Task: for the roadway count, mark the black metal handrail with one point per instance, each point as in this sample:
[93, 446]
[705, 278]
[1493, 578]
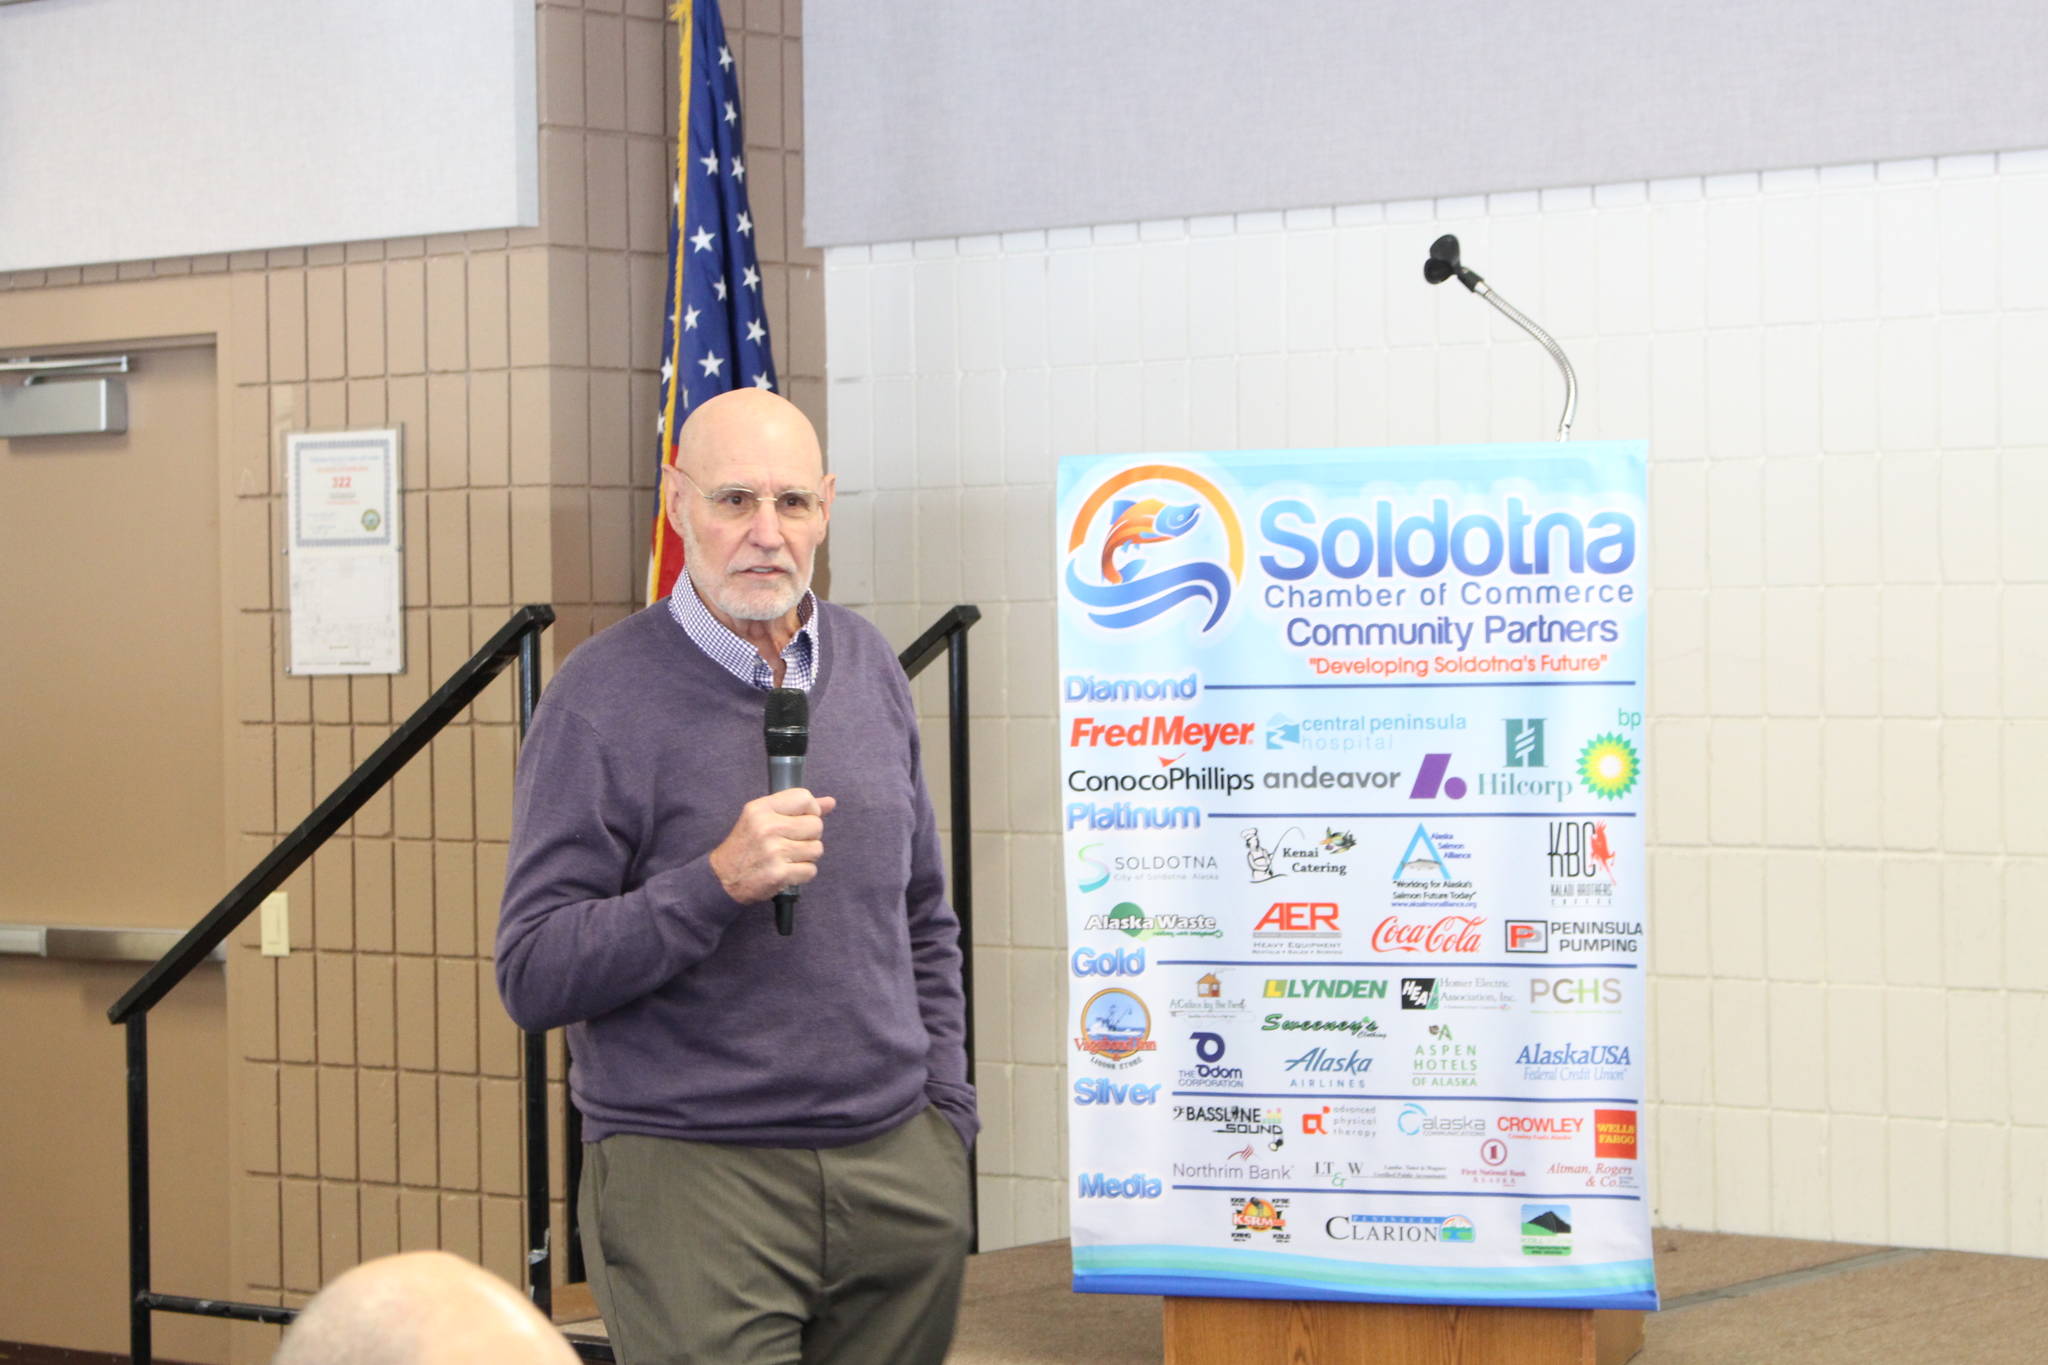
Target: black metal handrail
[518, 638]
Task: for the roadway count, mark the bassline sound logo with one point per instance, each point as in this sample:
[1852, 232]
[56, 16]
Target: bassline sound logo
[1149, 539]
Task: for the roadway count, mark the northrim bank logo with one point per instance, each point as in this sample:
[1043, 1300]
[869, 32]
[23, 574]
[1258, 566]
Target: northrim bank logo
[1113, 567]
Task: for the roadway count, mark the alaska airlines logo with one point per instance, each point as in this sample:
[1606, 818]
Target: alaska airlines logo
[1125, 589]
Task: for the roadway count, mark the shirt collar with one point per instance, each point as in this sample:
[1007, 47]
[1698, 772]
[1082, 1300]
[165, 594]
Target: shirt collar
[736, 656]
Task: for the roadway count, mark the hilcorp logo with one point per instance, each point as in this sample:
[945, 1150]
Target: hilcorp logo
[1110, 547]
[1478, 543]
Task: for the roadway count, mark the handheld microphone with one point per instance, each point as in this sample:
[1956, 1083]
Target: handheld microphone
[786, 732]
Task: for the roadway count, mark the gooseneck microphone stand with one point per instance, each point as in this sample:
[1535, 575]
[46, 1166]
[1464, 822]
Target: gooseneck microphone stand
[1443, 263]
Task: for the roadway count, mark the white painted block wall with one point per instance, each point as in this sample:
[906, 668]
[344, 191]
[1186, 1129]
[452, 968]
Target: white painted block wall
[1843, 375]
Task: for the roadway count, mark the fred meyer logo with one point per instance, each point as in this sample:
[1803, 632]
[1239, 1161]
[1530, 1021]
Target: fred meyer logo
[1159, 732]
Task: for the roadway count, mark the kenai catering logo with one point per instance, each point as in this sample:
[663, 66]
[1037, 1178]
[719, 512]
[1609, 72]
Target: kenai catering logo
[1113, 567]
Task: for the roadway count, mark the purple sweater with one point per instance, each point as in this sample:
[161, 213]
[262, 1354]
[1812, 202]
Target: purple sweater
[688, 1015]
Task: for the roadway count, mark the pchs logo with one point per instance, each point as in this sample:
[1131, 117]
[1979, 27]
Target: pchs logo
[1112, 568]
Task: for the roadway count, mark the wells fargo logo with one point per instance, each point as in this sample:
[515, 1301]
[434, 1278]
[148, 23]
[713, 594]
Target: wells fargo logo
[1112, 567]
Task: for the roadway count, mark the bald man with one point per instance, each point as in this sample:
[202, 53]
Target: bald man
[777, 1127]
[421, 1308]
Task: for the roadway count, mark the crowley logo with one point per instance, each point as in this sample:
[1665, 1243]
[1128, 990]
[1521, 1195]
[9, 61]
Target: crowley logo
[1552, 1126]
[1450, 934]
[1109, 556]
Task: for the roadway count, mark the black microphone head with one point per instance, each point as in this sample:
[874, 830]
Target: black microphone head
[1435, 271]
[787, 725]
[1445, 249]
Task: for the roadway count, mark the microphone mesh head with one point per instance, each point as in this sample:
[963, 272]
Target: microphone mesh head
[788, 721]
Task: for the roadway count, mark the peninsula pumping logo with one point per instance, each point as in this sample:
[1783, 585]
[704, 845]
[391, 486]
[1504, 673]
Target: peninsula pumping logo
[1150, 539]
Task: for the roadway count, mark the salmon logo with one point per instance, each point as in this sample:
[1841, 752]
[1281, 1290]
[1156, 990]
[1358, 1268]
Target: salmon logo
[1127, 587]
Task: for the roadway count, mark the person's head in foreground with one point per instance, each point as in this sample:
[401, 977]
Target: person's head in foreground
[421, 1308]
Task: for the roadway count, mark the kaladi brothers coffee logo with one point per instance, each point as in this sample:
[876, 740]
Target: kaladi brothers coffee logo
[1149, 539]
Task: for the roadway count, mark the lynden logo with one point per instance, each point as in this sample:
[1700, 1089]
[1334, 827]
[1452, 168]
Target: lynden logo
[1129, 691]
[1524, 744]
[1614, 1133]
[1110, 547]
[1095, 1185]
[1579, 851]
[1323, 988]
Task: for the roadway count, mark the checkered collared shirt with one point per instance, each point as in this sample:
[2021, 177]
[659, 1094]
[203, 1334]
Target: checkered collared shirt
[800, 656]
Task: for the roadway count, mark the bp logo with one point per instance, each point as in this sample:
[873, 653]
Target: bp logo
[1608, 766]
[1149, 539]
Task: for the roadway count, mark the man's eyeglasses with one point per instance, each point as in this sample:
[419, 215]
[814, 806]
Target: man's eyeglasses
[735, 502]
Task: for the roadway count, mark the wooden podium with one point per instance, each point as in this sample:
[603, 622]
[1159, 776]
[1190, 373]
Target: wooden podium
[1306, 1332]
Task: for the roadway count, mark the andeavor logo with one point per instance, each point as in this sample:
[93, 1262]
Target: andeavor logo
[1112, 568]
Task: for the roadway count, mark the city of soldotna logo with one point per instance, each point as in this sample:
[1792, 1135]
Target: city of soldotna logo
[1149, 539]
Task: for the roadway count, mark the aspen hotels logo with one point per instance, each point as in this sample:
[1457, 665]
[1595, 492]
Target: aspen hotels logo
[1141, 546]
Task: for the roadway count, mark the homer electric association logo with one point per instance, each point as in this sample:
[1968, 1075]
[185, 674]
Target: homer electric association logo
[1149, 539]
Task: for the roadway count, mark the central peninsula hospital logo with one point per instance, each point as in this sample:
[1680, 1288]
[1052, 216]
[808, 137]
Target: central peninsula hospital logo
[1140, 546]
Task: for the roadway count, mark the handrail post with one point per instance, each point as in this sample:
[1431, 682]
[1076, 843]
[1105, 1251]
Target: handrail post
[139, 1348]
[963, 877]
[540, 1286]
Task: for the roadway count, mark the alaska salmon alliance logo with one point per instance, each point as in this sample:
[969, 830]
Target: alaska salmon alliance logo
[1120, 586]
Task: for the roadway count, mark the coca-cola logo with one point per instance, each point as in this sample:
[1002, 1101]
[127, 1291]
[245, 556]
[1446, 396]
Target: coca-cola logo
[1448, 934]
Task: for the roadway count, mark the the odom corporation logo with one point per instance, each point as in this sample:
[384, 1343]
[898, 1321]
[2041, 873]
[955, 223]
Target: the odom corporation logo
[1111, 568]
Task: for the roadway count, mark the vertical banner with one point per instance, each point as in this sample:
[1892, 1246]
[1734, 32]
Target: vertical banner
[1351, 747]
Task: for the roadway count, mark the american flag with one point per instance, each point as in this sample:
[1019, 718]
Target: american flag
[714, 331]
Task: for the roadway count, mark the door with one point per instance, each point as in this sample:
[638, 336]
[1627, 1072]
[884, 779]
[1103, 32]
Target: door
[112, 813]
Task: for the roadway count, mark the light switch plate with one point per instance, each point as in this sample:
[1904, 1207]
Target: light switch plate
[275, 917]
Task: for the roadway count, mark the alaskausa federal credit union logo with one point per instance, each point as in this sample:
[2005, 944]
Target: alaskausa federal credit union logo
[1141, 545]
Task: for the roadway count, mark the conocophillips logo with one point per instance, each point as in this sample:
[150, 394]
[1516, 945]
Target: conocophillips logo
[1118, 586]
